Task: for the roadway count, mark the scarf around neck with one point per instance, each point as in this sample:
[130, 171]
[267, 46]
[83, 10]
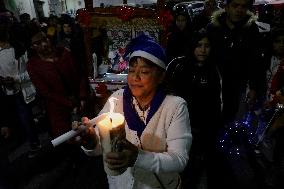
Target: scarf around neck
[131, 116]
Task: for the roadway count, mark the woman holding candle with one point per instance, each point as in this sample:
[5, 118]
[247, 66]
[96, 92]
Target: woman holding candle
[157, 126]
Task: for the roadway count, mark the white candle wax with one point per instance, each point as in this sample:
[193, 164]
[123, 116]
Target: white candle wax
[70, 134]
[111, 129]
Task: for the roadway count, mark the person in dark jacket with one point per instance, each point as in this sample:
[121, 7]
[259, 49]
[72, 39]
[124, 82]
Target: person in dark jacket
[179, 37]
[235, 42]
[196, 79]
[236, 49]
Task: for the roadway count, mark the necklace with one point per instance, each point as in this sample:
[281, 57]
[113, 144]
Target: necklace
[141, 110]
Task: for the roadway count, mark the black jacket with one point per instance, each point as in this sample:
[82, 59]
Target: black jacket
[199, 86]
[237, 53]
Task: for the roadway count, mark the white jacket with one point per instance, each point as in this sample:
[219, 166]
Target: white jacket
[9, 68]
[163, 146]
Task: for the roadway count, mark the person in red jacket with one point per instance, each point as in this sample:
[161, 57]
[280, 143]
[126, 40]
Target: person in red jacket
[58, 82]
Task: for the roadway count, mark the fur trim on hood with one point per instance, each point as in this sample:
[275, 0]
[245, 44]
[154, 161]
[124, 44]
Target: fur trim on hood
[215, 18]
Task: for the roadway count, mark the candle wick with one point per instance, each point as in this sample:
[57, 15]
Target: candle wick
[110, 120]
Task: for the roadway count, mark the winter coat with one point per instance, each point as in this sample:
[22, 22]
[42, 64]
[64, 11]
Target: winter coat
[236, 50]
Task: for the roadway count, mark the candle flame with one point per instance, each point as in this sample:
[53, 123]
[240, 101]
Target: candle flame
[111, 101]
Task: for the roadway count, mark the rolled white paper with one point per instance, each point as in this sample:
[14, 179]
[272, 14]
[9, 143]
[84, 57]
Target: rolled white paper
[70, 134]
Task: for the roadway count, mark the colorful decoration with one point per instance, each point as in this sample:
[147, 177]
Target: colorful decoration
[125, 13]
[120, 33]
[242, 137]
[122, 65]
[118, 63]
[165, 18]
[84, 17]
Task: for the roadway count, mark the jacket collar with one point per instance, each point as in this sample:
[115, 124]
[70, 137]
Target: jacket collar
[219, 19]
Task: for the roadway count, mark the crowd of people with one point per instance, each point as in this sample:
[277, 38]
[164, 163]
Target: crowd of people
[177, 101]
[224, 62]
[44, 80]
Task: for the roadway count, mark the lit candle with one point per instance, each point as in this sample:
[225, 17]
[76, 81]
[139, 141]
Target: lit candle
[111, 131]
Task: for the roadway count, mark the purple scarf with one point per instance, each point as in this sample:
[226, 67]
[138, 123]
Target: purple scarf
[131, 116]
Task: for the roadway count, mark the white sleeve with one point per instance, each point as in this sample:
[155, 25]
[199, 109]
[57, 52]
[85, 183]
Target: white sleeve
[179, 140]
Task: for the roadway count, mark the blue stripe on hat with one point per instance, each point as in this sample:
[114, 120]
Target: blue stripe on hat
[145, 46]
[150, 57]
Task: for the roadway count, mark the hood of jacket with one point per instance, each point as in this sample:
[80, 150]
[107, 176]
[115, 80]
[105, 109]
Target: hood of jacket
[218, 18]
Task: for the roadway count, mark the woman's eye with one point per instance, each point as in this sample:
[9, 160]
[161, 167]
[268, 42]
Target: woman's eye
[145, 72]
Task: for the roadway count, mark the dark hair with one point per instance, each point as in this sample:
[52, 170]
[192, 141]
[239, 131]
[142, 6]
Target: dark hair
[66, 19]
[250, 2]
[178, 10]
[4, 33]
[25, 17]
[181, 9]
[197, 36]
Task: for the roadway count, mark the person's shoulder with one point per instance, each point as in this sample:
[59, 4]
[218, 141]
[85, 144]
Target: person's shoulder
[8, 53]
[177, 68]
[216, 19]
[175, 63]
[7, 49]
[174, 100]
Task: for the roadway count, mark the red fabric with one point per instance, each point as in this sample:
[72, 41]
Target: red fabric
[277, 82]
[58, 83]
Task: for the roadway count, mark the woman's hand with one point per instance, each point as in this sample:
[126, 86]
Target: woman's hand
[88, 135]
[125, 158]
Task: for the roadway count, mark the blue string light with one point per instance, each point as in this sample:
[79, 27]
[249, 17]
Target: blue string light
[240, 136]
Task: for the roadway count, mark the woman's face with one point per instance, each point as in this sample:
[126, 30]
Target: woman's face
[181, 22]
[202, 50]
[67, 28]
[42, 46]
[143, 79]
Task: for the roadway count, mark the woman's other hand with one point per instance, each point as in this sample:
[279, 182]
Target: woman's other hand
[125, 158]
